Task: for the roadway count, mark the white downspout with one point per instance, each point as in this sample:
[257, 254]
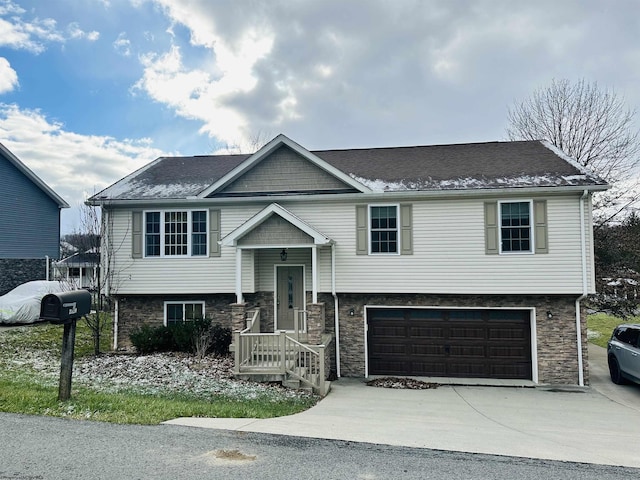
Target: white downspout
[116, 311]
[585, 287]
[335, 307]
[239, 298]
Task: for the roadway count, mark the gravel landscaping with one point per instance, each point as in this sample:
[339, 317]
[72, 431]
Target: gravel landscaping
[157, 373]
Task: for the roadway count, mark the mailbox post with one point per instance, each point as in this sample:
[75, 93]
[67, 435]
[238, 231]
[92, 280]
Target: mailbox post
[64, 309]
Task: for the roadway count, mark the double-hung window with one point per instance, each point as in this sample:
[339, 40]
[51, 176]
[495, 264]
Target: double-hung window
[179, 312]
[516, 232]
[383, 229]
[175, 233]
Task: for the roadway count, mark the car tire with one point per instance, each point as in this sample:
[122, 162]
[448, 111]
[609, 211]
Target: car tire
[614, 371]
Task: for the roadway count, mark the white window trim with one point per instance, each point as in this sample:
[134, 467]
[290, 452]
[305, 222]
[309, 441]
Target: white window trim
[189, 232]
[532, 240]
[183, 303]
[398, 229]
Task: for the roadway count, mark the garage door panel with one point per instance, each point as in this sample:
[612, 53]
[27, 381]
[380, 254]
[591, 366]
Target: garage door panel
[433, 333]
[427, 350]
[464, 369]
[390, 331]
[389, 349]
[390, 367]
[513, 353]
[429, 369]
[450, 342]
[473, 351]
[459, 333]
[506, 333]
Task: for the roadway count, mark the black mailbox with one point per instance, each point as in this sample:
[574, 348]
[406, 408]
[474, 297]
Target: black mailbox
[66, 306]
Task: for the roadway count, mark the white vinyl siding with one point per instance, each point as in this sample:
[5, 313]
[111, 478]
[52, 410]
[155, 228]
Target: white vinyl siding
[449, 255]
[171, 275]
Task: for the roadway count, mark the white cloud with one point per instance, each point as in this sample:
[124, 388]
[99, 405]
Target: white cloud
[74, 166]
[194, 94]
[75, 32]
[410, 71]
[204, 93]
[122, 45]
[8, 7]
[8, 76]
[34, 34]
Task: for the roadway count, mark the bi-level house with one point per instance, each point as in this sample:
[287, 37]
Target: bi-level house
[467, 260]
[29, 223]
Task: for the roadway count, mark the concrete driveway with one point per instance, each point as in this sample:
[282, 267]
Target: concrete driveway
[600, 424]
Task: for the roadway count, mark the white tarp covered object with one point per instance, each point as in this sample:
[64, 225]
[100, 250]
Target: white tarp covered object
[22, 304]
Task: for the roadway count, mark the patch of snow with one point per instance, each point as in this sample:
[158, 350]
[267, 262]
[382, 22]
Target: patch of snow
[570, 160]
[468, 183]
[137, 189]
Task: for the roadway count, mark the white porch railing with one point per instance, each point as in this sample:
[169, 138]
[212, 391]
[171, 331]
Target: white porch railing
[279, 354]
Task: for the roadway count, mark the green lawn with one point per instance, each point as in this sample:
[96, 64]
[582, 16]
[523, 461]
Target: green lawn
[29, 370]
[600, 326]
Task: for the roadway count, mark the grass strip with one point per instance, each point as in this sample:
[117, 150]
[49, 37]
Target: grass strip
[28, 397]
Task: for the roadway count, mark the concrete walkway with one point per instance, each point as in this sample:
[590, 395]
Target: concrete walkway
[593, 425]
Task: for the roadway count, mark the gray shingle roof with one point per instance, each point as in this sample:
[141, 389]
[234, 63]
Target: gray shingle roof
[439, 167]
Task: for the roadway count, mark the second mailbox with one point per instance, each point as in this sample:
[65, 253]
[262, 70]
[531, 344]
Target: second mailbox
[66, 306]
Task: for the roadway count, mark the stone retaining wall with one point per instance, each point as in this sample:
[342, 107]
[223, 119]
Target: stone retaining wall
[16, 271]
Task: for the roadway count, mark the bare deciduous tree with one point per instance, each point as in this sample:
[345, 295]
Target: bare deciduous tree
[89, 234]
[251, 144]
[592, 126]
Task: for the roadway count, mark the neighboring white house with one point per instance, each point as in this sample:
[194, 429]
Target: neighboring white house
[79, 269]
[465, 260]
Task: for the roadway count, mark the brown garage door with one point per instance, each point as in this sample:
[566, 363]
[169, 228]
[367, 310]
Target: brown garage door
[449, 343]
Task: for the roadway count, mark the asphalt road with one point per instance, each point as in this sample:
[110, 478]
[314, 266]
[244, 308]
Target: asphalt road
[51, 448]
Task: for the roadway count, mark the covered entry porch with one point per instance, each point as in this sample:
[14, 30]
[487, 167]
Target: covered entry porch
[278, 323]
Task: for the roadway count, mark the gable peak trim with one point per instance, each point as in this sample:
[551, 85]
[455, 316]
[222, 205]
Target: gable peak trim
[277, 142]
[232, 238]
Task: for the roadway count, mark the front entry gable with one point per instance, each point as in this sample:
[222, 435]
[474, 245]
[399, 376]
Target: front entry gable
[282, 167]
[275, 226]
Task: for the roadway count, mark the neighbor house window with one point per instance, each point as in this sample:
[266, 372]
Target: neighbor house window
[516, 234]
[176, 233]
[179, 312]
[383, 229]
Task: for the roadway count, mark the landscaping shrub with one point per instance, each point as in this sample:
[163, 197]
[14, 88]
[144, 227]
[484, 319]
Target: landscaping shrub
[148, 339]
[221, 340]
[197, 336]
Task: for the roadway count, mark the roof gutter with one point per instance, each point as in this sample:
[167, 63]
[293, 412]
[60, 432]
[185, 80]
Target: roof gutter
[381, 196]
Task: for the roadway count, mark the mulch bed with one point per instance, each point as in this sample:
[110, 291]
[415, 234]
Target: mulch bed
[396, 382]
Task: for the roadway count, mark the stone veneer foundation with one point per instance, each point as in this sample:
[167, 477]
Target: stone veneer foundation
[556, 337]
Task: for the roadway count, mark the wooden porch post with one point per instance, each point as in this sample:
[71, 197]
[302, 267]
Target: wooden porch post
[314, 273]
[239, 298]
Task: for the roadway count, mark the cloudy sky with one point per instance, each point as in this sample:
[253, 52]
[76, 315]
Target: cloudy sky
[91, 90]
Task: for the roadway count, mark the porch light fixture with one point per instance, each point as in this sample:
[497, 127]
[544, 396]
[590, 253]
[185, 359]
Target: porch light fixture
[549, 314]
[352, 312]
[283, 255]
